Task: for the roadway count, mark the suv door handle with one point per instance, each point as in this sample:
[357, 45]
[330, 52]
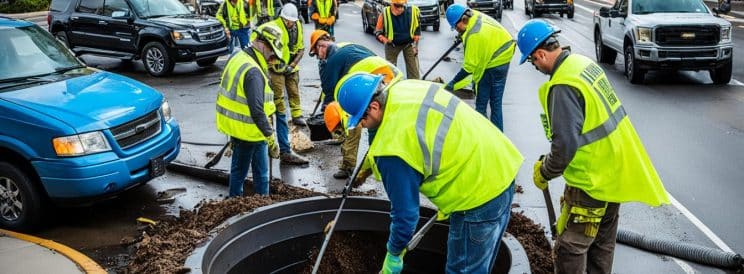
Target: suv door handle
[74, 18]
[101, 22]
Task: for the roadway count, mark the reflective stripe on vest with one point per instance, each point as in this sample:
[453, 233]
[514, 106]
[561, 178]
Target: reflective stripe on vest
[388, 22]
[374, 65]
[448, 113]
[288, 50]
[481, 35]
[269, 8]
[610, 163]
[228, 10]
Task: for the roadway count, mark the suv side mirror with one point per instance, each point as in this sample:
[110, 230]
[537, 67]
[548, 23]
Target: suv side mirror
[120, 15]
[604, 12]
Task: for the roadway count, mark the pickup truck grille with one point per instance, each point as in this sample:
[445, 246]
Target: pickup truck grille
[210, 33]
[688, 35]
[137, 131]
[428, 10]
[688, 54]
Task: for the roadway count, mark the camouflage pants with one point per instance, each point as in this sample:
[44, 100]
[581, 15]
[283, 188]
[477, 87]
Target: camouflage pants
[349, 148]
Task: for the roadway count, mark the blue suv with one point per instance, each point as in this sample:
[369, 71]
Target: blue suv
[71, 134]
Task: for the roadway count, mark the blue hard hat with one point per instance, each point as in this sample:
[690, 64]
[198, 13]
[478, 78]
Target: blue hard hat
[355, 94]
[532, 34]
[454, 13]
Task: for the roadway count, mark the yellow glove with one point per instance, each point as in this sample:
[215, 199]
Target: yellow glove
[315, 16]
[441, 216]
[331, 20]
[323, 20]
[537, 177]
[273, 147]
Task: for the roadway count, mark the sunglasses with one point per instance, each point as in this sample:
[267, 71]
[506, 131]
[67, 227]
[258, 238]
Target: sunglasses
[400, 6]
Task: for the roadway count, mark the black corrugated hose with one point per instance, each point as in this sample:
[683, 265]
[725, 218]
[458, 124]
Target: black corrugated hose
[691, 252]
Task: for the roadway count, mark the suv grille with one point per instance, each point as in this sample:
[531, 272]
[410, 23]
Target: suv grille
[428, 10]
[137, 131]
[688, 35]
[210, 33]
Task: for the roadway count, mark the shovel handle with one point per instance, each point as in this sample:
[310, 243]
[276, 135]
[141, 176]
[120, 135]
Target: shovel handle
[454, 45]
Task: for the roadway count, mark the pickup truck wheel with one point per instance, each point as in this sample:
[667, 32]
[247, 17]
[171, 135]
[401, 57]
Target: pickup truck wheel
[156, 59]
[435, 27]
[21, 205]
[570, 14]
[632, 72]
[526, 11]
[604, 53]
[365, 24]
[62, 37]
[206, 62]
[722, 75]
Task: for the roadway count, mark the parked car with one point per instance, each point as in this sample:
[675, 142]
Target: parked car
[535, 8]
[160, 32]
[493, 8]
[664, 35]
[71, 134]
[430, 10]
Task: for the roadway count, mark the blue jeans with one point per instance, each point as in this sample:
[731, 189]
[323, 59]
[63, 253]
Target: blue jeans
[282, 132]
[249, 154]
[490, 90]
[243, 36]
[475, 235]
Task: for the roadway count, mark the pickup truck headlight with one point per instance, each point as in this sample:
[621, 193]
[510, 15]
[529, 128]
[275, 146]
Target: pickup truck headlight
[180, 35]
[643, 35]
[81, 144]
[539, 1]
[166, 110]
[726, 34]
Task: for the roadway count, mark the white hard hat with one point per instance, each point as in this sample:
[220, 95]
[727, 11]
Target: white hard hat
[289, 12]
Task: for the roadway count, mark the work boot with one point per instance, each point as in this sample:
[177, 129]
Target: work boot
[342, 173]
[292, 158]
[298, 121]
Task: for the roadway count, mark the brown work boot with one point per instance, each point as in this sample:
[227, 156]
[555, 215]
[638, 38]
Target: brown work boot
[342, 174]
[292, 158]
[299, 121]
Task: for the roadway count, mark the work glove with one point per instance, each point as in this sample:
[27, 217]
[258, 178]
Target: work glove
[383, 39]
[537, 177]
[323, 21]
[361, 177]
[273, 146]
[393, 264]
[315, 16]
[331, 20]
[441, 216]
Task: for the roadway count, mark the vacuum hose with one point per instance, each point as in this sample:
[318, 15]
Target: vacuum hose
[691, 252]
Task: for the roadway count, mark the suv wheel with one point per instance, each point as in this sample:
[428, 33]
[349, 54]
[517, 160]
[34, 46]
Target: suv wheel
[604, 53]
[20, 203]
[206, 62]
[62, 37]
[570, 14]
[156, 59]
[365, 24]
[436, 26]
[526, 10]
[722, 75]
[632, 72]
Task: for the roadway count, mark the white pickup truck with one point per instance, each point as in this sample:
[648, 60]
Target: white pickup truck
[664, 35]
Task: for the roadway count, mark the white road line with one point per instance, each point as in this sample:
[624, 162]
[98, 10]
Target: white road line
[736, 82]
[584, 8]
[700, 225]
[684, 265]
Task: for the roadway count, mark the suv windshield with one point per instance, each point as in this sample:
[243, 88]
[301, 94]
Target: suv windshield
[423, 2]
[668, 6]
[158, 8]
[31, 51]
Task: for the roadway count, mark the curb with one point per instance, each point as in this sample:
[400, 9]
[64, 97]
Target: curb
[82, 261]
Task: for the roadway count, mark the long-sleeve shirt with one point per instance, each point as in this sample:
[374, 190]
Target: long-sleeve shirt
[402, 184]
[253, 85]
[566, 108]
[338, 62]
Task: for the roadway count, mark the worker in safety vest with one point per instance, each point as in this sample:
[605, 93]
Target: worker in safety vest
[337, 60]
[488, 50]
[286, 76]
[264, 10]
[469, 180]
[399, 30]
[235, 18]
[244, 103]
[323, 13]
[593, 146]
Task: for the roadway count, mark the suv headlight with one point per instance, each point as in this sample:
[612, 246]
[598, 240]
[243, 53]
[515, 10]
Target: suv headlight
[726, 34]
[81, 144]
[166, 110]
[180, 34]
[643, 35]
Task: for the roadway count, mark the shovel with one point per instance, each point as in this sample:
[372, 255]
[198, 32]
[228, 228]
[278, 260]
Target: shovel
[454, 45]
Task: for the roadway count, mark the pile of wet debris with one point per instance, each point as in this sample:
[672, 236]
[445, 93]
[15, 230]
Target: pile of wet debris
[164, 246]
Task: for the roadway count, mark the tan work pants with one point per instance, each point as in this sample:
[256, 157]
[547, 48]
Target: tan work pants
[349, 148]
[412, 62]
[279, 82]
[575, 252]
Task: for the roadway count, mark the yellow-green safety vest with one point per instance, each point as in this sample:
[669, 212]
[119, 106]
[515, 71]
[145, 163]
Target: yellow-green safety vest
[269, 8]
[388, 22]
[233, 114]
[228, 13]
[371, 64]
[324, 8]
[465, 160]
[611, 163]
[289, 50]
[487, 44]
